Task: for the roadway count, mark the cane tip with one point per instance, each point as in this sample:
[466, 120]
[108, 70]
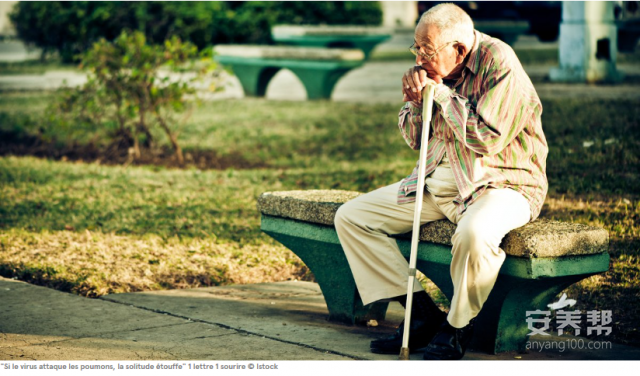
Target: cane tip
[404, 354]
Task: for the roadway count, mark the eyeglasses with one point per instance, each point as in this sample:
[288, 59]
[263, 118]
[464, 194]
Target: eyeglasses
[414, 50]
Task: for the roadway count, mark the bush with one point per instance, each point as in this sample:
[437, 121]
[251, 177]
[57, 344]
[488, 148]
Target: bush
[251, 22]
[70, 28]
[126, 93]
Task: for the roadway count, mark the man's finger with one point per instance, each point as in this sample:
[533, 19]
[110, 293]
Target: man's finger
[423, 77]
[406, 81]
[408, 95]
[417, 82]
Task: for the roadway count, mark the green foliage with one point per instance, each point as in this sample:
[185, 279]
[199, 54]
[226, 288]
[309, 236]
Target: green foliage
[251, 21]
[70, 28]
[126, 92]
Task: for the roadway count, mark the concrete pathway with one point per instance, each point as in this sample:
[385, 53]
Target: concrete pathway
[38, 323]
[15, 50]
[272, 321]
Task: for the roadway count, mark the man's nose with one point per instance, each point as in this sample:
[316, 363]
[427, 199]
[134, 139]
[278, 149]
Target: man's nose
[422, 61]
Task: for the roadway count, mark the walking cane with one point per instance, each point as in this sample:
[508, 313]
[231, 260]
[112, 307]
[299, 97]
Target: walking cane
[427, 107]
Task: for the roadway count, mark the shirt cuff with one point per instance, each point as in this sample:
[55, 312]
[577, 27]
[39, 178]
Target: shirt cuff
[414, 106]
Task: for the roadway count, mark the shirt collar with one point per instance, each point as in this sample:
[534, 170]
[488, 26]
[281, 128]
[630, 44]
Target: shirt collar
[474, 60]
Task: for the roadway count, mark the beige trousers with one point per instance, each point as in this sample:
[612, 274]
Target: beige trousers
[380, 271]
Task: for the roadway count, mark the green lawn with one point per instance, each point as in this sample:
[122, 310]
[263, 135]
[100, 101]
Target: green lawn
[33, 67]
[95, 229]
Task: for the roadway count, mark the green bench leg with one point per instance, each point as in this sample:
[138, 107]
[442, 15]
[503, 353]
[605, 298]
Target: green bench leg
[319, 248]
[254, 79]
[319, 83]
[501, 325]
[502, 322]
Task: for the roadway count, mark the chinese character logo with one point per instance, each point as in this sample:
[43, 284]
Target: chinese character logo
[563, 302]
[598, 320]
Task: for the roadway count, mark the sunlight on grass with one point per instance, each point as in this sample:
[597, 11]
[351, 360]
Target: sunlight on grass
[94, 229]
[93, 263]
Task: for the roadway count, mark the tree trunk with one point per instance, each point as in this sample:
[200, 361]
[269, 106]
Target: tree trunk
[136, 147]
[142, 126]
[173, 138]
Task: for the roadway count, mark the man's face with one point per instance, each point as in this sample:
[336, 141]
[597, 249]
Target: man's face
[428, 41]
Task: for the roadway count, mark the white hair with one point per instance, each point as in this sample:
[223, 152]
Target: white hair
[453, 23]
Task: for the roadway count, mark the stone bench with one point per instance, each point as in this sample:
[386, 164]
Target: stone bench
[364, 38]
[543, 258]
[318, 69]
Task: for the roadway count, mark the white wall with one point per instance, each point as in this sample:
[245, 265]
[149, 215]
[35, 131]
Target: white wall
[6, 29]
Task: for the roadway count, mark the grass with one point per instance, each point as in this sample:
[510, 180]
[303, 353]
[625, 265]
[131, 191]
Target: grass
[29, 67]
[94, 229]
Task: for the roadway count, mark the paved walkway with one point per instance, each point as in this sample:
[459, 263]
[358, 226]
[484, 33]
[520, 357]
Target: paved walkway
[272, 321]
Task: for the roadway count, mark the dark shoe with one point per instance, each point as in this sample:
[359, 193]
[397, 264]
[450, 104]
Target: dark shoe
[449, 343]
[426, 319]
[420, 334]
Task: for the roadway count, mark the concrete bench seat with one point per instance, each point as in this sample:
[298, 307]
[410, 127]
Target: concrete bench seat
[364, 38]
[543, 258]
[318, 69]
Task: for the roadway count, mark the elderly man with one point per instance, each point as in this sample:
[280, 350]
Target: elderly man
[485, 172]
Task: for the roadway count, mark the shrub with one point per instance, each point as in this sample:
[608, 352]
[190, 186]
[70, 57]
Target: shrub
[126, 92]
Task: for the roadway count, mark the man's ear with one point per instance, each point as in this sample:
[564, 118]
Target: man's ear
[461, 52]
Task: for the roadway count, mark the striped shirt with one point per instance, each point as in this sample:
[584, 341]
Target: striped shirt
[488, 124]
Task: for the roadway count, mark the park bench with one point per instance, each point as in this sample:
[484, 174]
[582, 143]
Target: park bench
[318, 69]
[543, 258]
[364, 38]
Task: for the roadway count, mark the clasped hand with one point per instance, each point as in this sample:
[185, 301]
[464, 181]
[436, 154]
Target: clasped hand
[414, 80]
